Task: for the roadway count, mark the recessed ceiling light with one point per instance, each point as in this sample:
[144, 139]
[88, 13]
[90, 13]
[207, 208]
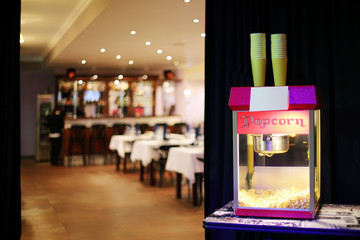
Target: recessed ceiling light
[21, 38]
[120, 76]
[203, 34]
[131, 62]
[102, 50]
[95, 76]
[186, 1]
[116, 82]
[133, 32]
[145, 77]
[196, 20]
[81, 82]
[147, 43]
[166, 84]
[168, 58]
[159, 51]
[187, 92]
[118, 56]
[83, 61]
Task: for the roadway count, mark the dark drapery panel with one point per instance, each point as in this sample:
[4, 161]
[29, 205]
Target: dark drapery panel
[323, 49]
[10, 121]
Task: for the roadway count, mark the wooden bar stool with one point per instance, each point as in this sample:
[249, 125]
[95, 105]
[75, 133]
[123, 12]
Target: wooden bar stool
[77, 138]
[143, 127]
[180, 128]
[97, 143]
[118, 128]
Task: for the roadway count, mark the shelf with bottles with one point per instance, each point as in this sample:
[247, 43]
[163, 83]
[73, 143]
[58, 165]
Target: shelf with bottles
[82, 98]
[115, 96]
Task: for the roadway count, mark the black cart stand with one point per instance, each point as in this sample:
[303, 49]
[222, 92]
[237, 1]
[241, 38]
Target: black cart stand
[332, 220]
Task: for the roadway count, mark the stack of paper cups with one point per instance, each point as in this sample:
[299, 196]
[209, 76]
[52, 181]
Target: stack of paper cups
[258, 57]
[279, 58]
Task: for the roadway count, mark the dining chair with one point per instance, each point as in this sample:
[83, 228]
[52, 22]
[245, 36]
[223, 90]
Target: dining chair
[163, 151]
[164, 128]
[199, 182]
[199, 178]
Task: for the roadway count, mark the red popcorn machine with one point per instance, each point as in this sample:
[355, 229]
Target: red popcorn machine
[276, 145]
[276, 151]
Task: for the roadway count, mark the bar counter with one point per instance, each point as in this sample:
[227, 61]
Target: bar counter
[108, 122]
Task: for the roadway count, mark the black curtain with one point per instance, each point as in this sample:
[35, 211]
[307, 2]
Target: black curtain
[323, 49]
[10, 121]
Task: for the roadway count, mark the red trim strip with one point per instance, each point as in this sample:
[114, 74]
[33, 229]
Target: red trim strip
[274, 213]
[300, 98]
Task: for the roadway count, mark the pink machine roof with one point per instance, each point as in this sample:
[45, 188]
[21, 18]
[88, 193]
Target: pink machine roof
[300, 98]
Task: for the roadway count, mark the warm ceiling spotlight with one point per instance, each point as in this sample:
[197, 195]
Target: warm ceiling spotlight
[186, 1]
[83, 61]
[120, 76]
[168, 58]
[131, 62]
[187, 92]
[102, 50]
[166, 84]
[116, 82]
[159, 51]
[80, 82]
[196, 20]
[95, 76]
[21, 38]
[145, 77]
[147, 43]
[118, 56]
[203, 35]
[133, 32]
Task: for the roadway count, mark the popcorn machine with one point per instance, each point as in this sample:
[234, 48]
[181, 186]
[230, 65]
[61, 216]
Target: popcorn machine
[276, 152]
[276, 149]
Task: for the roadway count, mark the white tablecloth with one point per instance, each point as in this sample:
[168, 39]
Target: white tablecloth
[184, 160]
[123, 143]
[145, 150]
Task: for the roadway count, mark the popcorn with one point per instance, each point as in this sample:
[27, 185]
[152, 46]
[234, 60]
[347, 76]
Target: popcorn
[282, 198]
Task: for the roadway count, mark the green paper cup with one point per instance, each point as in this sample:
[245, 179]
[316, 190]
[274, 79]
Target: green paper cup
[279, 70]
[258, 70]
[257, 46]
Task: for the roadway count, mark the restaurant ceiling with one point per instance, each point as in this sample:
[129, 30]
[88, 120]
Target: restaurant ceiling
[62, 33]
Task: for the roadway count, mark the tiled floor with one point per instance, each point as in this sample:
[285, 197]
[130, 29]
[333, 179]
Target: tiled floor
[97, 202]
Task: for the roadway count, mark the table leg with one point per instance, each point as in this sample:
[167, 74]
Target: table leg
[195, 190]
[152, 175]
[125, 160]
[178, 185]
[117, 162]
[141, 172]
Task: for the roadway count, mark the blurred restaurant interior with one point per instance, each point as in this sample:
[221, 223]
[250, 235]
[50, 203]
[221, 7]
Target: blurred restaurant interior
[125, 60]
[134, 70]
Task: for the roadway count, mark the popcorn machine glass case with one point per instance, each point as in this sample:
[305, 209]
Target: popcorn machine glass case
[276, 152]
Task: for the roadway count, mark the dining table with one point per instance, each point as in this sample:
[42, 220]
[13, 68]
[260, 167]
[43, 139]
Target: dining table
[186, 161]
[122, 144]
[147, 151]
